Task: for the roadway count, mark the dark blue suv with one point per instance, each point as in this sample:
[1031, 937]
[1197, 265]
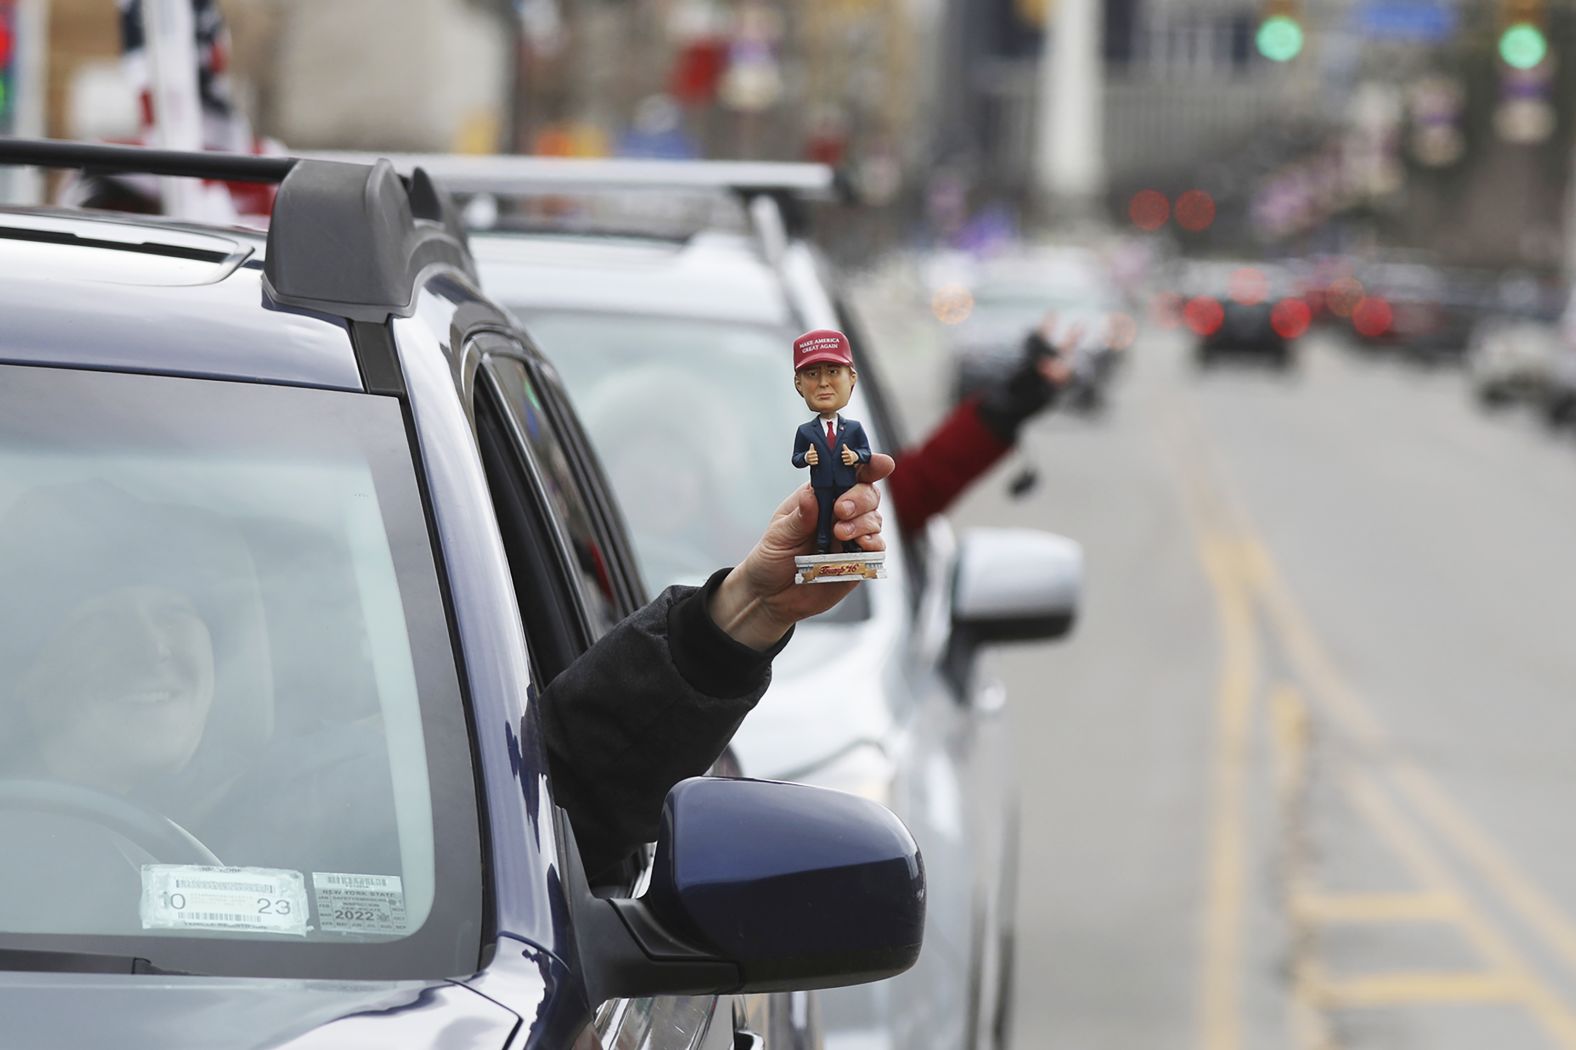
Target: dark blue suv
[290, 533]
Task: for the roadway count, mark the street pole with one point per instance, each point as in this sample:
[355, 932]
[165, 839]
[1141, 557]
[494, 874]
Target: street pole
[1070, 153]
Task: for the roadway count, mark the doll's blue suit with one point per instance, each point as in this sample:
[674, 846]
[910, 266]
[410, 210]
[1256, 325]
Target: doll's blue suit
[831, 477]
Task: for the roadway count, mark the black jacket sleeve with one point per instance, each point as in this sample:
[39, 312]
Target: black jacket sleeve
[654, 701]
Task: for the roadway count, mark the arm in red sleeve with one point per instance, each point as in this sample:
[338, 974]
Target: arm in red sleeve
[929, 478]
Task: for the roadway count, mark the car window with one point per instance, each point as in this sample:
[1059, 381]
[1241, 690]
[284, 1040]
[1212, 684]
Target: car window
[693, 421]
[584, 547]
[229, 710]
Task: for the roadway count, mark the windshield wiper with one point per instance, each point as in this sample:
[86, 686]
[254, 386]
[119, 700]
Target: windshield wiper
[42, 961]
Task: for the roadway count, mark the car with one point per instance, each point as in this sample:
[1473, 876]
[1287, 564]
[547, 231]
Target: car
[1240, 309]
[1509, 359]
[1422, 311]
[1514, 346]
[295, 527]
[675, 348]
[990, 307]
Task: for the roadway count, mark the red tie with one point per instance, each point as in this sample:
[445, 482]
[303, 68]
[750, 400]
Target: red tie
[831, 441]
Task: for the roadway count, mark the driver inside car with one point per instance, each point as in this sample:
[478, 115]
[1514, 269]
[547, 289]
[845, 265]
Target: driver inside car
[118, 694]
[119, 637]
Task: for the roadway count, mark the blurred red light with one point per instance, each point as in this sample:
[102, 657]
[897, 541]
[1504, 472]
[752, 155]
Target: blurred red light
[5, 41]
[1204, 315]
[1195, 211]
[1149, 209]
[1372, 317]
[1290, 318]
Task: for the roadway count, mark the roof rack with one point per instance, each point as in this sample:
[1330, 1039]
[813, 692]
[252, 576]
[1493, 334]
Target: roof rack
[775, 194]
[347, 239]
[121, 160]
[514, 175]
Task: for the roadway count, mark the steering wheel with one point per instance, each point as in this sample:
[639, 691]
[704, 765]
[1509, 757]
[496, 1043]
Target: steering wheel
[166, 840]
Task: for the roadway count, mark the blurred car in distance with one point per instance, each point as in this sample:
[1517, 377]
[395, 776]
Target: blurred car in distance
[990, 307]
[1238, 310]
[1514, 347]
[1512, 359]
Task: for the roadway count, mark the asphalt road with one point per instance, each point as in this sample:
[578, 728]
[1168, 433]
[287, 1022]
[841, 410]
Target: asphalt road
[1303, 777]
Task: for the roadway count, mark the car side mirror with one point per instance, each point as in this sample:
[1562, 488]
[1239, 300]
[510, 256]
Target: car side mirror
[758, 886]
[1012, 585]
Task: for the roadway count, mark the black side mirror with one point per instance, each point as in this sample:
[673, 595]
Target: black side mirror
[759, 886]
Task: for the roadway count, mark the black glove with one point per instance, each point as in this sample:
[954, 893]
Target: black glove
[1022, 392]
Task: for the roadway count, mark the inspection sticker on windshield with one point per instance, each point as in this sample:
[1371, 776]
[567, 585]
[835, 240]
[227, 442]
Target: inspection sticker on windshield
[194, 897]
[359, 903]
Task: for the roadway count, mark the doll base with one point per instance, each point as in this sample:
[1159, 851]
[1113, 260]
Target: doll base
[840, 568]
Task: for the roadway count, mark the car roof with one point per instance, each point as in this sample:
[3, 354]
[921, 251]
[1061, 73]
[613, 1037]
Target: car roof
[714, 275]
[103, 290]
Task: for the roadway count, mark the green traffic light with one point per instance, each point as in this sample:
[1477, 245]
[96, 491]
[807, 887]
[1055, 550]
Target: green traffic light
[1279, 38]
[1523, 46]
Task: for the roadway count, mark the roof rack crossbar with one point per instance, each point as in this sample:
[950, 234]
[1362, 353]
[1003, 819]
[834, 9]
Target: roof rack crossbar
[506, 175]
[230, 167]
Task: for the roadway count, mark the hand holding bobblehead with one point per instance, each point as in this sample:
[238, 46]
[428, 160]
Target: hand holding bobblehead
[834, 448]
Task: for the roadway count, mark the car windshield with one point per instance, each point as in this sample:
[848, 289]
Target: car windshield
[698, 474]
[228, 706]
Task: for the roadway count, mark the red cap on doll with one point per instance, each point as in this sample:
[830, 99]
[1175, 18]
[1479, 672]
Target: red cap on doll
[821, 344]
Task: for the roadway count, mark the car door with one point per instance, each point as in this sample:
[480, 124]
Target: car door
[574, 579]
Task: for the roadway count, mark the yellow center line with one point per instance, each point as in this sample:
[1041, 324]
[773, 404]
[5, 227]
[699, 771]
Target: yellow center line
[1227, 848]
[1225, 879]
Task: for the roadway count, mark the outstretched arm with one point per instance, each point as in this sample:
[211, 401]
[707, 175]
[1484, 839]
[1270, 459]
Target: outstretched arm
[659, 696]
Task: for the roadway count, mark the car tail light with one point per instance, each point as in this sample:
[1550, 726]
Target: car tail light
[1204, 315]
[1372, 317]
[1290, 318]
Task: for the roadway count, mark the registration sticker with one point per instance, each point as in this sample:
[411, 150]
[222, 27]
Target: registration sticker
[195, 897]
[349, 903]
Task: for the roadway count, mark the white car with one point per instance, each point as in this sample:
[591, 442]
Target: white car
[676, 352]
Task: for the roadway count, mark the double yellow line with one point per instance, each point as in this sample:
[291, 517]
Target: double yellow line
[1250, 597]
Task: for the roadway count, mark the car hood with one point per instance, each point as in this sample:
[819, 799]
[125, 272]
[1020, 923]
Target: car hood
[832, 688]
[136, 1012]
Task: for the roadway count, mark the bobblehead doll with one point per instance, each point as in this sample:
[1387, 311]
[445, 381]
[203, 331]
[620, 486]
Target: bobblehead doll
[831, 445]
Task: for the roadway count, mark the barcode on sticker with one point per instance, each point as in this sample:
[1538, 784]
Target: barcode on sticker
[196, 897]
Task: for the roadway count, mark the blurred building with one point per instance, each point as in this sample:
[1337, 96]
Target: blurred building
[1182, 85]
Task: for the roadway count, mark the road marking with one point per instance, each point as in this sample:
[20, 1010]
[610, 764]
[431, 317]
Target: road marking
[1220, 1024]
[1432, 876]
[1289, 737]
[1236, 562]
[1377, 907]
[1225, 880]
[1537, 911]
[1409, 989]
